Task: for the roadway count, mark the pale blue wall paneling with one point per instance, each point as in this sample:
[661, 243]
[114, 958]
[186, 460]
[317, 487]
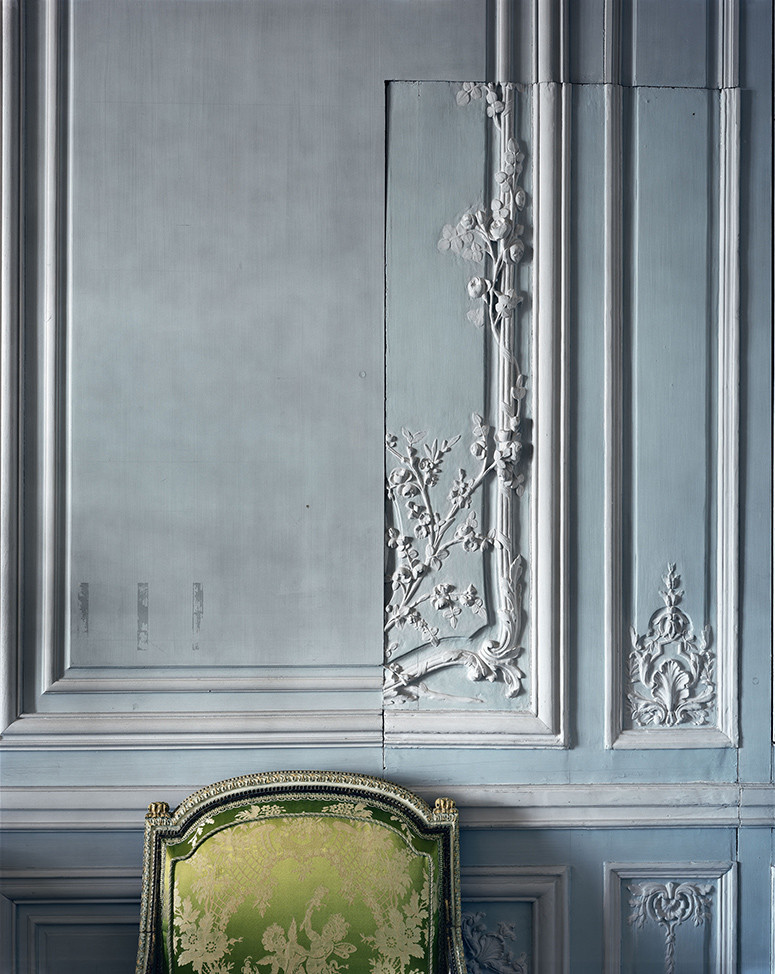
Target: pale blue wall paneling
[216, 196]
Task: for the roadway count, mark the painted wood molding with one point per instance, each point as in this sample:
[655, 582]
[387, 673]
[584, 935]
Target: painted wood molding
[32, 899]
[772, 913]
[546, 888]
[708, 886]
[551, 806]
[10, 343]
[280, 679]
[145, 731]
[723, 732]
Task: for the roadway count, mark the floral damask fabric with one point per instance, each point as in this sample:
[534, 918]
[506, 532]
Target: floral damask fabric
[301, 887]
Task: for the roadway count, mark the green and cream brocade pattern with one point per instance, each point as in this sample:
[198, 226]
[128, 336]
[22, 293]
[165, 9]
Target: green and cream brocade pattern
[301, 886]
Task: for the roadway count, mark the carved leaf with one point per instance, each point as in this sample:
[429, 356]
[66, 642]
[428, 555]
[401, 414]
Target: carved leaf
[670, 670]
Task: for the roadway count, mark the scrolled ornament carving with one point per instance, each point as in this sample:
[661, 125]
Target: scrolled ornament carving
[425, 529]
[487, 951]
[669, 905]
[671, 670]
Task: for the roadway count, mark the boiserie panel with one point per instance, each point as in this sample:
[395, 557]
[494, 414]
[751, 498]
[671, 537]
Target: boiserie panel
[672, 436]
[475, 394]
[247, 240]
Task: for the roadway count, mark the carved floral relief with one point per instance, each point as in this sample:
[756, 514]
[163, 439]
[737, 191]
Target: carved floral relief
[428, 523]
[671, 679]
[490, 951]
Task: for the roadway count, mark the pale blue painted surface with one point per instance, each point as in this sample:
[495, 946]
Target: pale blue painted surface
[337, 558]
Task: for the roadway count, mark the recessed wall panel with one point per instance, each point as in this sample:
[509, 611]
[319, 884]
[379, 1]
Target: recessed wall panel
[672, 415]
[474, 409]
[218, 496]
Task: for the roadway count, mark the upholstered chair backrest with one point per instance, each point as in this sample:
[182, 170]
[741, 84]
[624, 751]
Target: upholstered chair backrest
[301, 873]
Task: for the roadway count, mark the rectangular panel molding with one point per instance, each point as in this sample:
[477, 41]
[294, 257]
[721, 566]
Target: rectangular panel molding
[687, 698]
[668, 896]
[47, 702]
[546, 888]
[92, 912]
[537, 674]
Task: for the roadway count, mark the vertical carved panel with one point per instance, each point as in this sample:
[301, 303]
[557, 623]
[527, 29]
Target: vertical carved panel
[427, 527]
[671, 312]
[475, 539]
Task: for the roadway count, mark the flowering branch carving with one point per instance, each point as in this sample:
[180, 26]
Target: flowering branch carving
[493, 238]
[486, 951]
[671, 670]
[669, 905]
[411, 483]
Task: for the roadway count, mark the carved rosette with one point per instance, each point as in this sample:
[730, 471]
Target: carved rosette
[669, 905]
[425, 528]
[671, 670]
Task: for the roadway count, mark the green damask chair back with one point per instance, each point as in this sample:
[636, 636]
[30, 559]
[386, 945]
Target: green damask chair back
[301, 873]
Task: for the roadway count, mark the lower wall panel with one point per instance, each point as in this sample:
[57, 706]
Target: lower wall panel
[534, 901]
[62, 937]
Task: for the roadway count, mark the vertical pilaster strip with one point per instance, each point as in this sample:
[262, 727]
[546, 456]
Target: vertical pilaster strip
[550, 41]
[612, 57]
[563, 437]
[10, 358]
[551, 179]
[728, 43]
[727, 406]
[728, 434]
[502, 30]
[548, 534]
[612, 309]
[49, 554]
[505, 512]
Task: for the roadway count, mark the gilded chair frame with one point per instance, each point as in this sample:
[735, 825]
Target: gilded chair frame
[163, 827]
